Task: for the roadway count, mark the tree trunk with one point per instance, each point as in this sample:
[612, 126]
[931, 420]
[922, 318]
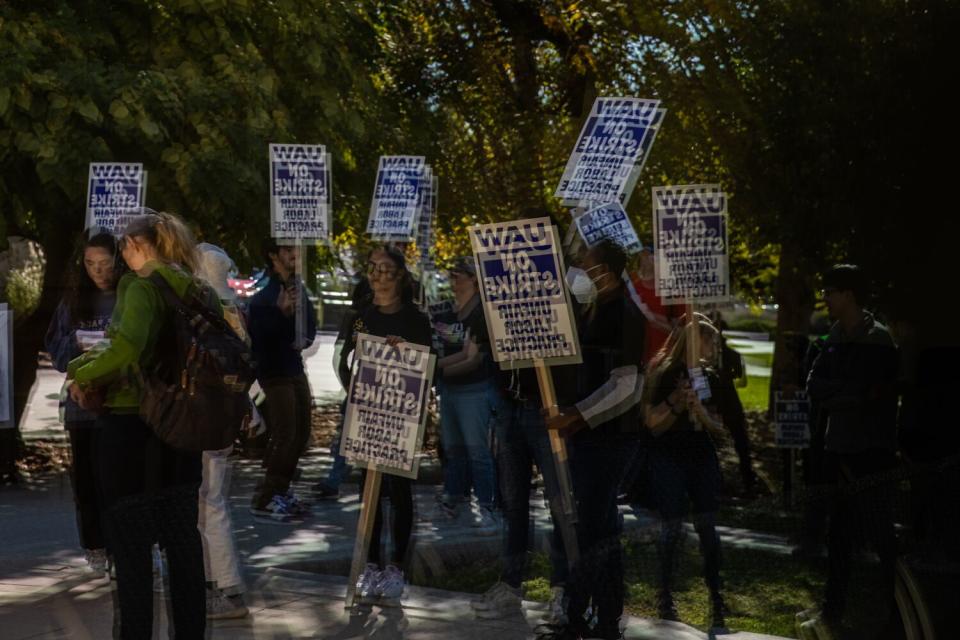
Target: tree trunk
[794, 295]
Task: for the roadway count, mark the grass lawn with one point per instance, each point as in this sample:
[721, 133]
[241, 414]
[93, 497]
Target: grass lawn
[755, 396]
[763, 591]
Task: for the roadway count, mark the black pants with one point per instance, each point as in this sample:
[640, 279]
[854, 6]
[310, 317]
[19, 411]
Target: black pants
[399, 490]
[150, 496]
[289, 404]
[84, 443]
[597, 467]
[862, 513]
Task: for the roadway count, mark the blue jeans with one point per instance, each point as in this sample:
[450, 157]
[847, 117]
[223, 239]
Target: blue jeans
[597, 466]
[466, 414]
[522, 440]
[340, 469]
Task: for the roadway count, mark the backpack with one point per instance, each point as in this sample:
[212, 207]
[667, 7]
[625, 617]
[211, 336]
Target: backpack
[195, 397]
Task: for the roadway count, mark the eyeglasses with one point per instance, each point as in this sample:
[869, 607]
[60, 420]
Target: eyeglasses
[381, 269]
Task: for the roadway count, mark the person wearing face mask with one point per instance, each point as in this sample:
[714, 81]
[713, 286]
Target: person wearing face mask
[599, 416]
[80, 321]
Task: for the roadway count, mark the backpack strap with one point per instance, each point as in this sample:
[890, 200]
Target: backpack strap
[177, 303]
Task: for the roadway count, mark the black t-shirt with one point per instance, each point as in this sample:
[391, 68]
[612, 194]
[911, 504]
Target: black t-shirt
[408, 323]
[682, 433]
[451, 331]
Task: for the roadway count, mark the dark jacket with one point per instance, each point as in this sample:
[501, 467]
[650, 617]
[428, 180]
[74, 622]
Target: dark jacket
[853, 380]
[61, 344]
[273, 335]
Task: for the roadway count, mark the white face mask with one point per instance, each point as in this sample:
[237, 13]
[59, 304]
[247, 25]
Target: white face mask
[581, 285]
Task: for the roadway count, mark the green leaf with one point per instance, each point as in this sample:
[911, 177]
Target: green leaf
[4, 99]
[119, 110]
[86, 108]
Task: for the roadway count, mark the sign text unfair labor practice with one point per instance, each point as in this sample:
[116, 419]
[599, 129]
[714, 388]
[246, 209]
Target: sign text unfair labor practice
[520, 272]
[690, 243]
[386, 405]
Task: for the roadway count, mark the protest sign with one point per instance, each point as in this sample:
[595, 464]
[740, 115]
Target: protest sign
[397, 197]
[115, 192]
[791, 415]
[6, 366]
[520, 272]
[645, 148]
[608, 148]
[609, 221]
[425, 226]
[386, 406]
[690, 244]
[530, 323]
[300, 195]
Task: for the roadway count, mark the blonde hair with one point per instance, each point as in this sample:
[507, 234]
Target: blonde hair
[674, 351]
[168, 235]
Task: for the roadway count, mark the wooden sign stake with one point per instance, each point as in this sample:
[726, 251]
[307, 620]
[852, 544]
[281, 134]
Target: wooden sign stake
[568, 504]
[368, 513]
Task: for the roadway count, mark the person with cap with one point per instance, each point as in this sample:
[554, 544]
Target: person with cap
[854, 380]
[225, 586]
[468, 390]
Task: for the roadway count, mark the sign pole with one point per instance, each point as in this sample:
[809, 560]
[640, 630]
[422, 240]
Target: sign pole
[368, 513]
[567, 503]
[693, 348]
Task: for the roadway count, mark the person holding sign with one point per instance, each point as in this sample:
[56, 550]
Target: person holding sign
[276, 348]
[393, 315]
[80, 321]
[683, 460]
[467, 390]
[853, 380]
[599, 415]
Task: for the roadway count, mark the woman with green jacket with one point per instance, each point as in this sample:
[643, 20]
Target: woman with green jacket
[149, 489]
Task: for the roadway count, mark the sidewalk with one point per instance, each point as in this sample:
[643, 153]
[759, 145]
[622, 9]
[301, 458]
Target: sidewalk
[295, 573]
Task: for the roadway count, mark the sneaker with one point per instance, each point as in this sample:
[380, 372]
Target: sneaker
[555, 632]
[391, 584]
[276, 512]
[98, 561]
[367, 582]
[557, 607]
[446, 508]
[296, 505]
[323, 492]
[220, 606]
[485, 522]
[498, 601]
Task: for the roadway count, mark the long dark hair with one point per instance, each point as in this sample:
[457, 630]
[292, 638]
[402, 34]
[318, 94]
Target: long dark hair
[405, 280]
[80, 290]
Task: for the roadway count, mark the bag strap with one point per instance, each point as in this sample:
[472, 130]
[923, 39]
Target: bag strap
[176, 302]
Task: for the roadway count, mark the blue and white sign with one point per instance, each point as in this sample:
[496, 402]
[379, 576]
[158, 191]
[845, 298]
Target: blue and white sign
[397, 197]
[425, 225]
[691, 243]
[115, 193]
[608, 149]
[609, 221]
[300, 194]
[387, 406]
[528, 313]
[791, 416]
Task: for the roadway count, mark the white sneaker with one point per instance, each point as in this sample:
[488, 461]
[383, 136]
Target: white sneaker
[485, 521]
[220, 606]
[391, 583]
[367, 582]
[817, 628]
[499, 601]
[97, 560]
[557, 607]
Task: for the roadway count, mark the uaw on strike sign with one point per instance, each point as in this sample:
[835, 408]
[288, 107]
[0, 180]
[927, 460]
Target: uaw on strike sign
[299, 192]
[115, 193]
[690, 241]
[398, 197]
[611, 149]
[387, 406]
[520, 272]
